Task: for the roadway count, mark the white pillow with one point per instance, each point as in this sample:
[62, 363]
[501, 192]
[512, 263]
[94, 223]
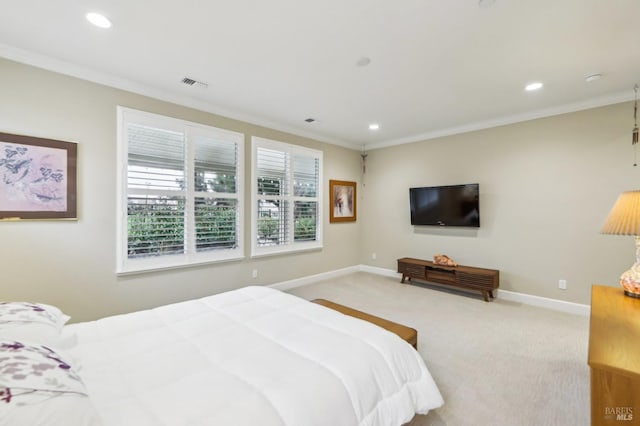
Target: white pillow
[38, 387]
[34, 322]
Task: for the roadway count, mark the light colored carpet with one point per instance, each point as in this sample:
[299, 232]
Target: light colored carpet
[496, 363]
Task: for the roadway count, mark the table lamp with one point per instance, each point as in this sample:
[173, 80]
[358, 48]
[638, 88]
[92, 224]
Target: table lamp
[624, 219]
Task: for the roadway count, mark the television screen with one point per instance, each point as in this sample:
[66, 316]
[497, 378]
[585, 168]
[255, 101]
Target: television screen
[454, 205]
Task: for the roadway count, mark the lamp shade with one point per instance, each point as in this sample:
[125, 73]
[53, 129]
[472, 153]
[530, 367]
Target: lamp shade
[624, 217]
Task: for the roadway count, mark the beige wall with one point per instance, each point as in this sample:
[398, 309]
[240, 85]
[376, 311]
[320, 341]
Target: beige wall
[546, 187]
[72, 264]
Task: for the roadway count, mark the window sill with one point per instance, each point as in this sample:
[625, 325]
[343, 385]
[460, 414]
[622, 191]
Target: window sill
[165, 264]
[276, 251]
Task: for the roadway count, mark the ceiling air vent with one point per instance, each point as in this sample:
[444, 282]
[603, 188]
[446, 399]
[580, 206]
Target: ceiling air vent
[310, 120]
[191, 82]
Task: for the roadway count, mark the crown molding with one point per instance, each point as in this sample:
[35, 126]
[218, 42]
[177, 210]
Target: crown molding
[85, 73]
[511, 119]
[89, 74]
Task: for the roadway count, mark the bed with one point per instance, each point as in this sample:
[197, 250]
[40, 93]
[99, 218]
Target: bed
[252, 356]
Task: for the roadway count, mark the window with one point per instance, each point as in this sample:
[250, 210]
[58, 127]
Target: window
[286, 197]
[180, 192]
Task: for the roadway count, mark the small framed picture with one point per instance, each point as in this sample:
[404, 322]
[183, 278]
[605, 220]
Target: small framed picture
[37, 178]
[343, 201]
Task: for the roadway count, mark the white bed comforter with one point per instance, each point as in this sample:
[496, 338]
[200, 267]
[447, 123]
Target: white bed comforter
[253, 356]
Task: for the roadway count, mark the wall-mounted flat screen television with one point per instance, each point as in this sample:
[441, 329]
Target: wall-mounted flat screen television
[453, 205]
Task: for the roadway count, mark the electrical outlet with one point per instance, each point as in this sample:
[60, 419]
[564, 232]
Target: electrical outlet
[254, 274]
[374, 256]
[562, 284]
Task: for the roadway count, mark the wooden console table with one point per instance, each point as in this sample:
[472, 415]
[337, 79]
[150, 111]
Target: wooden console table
[468, 277]
[614, 357]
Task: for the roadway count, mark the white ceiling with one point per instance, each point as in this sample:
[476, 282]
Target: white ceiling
[437, 66]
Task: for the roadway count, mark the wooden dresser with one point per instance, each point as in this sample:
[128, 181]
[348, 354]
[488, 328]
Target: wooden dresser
[614, 357]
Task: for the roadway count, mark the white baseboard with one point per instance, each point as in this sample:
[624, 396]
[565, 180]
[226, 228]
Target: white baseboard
[545, 302]
[379, 271]
[527, 299]
[299, 282]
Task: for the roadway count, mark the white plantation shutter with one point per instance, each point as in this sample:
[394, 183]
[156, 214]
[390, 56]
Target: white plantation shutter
[286, 197]
[155, 191]
[216, 202]
[215, 164]
[273, 205]
[306, 178]
[155, 158]
[181, 192]
[216, 223]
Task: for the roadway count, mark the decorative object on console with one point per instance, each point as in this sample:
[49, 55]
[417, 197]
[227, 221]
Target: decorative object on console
[443, 259]
[342, 205]
[624, 219]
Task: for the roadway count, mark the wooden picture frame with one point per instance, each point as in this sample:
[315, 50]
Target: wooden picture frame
[37, 178]
[342, 203]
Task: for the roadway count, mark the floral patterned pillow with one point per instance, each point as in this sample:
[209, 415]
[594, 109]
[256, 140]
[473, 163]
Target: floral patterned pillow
[38, 387]
[35, 322]
[24, 313]
[26, 369]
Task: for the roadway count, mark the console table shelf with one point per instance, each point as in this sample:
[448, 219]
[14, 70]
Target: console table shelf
[468, 277]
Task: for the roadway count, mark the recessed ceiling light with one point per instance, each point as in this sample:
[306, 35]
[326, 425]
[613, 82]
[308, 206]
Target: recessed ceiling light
[374, 126]
[98, 19]
[593, 77]
[533, 86]
[363, 62]
[486, 3]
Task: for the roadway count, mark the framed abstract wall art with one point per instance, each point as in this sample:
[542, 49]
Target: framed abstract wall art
[37, 178]
[343, 201]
